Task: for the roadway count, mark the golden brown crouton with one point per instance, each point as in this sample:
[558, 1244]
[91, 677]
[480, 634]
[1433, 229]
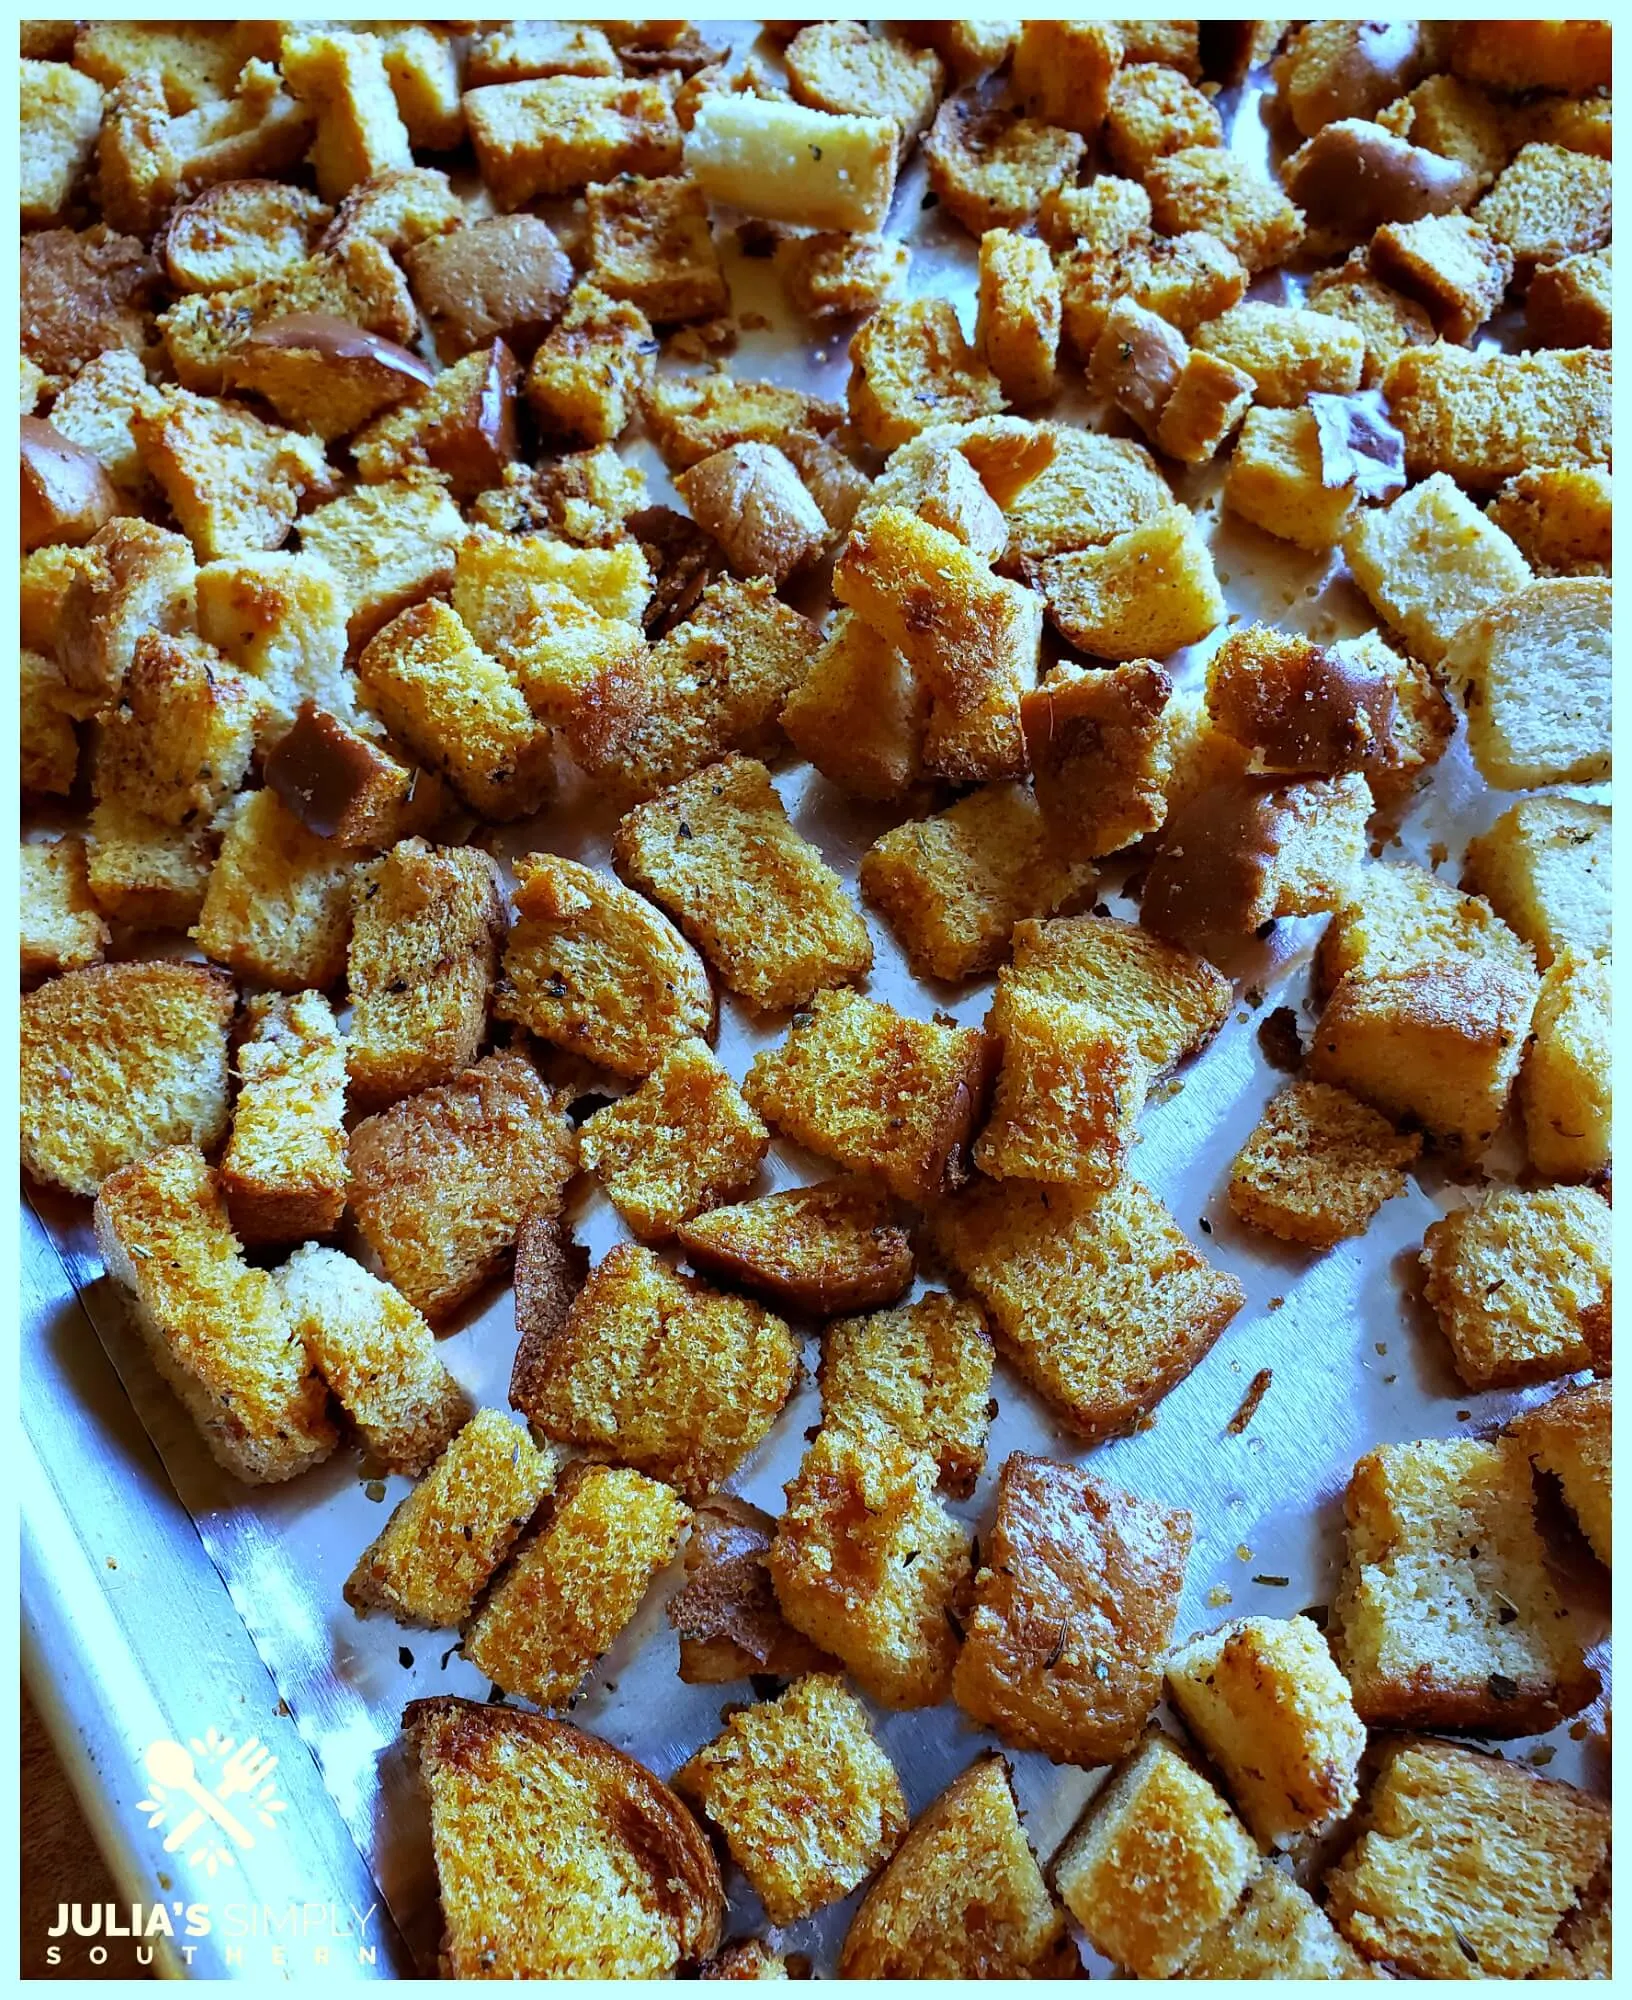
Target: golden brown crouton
[278, 903]
[858, 714]
[1544, 868]
[1266, 1703]
[1564, 1088]
[1090, 490]
[841, 66]
[1318, 1166]
[910, 366]
[553, 135]
[1157, 1862]
[1143, 595]
[1581, 1947]
[144, 873]
[1102, 1303]
[423, 67]
[826, 1249]
[593, 368]
[1388, 323]
[433, 1558]
[232, 481]
[427, 922]
[344, 787]
[1290, 353]
[1445, 1616]
[933, 478]
[80, 294]
[136, 580]
[342, 78]
[963, 1898]
[808, 1802]
[46, 712]
[1162, 997]
[1017, 325]
[180, 741]
[1345, 69]
[1485, 417]
[62, 928]
[1209, 399]
[690, 418]
[463, 426]
[96, 411]
[1276, 479]
[1096, 741]
[649, 244]
[1569, 1436]
[1069, 1090]
[1074, 1606]
[828, 275]
[680, 1142]
[753, 503]
[658, 1371]
[729, 1623]
[1063, 71]
[577, 1584]
[922, 1373]
[284, 1170]
[59, 114]
[1466, 1865]
[1569, 304]
[557, 1856]
[1549, 203]
[991, 168]
[1533, 671]
[1571, 56]
[1105, 215]
[1152, 112]
[1276, 1931]
[1301, 707]
[755, 897]
[1204, 187]
[513, 51]
[790, 163]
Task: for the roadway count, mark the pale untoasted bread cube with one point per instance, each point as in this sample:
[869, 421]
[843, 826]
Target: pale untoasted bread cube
[680, 1142]
[59, 113]
[284, 1171]
[45, 721]
[877, 1091]
[1158, 1861]
[1276, 480]
[828, 275]
[1569, 304]
[1544, 868]
[1467, 1864]
[1290, 353]
[729, 1623]
[1560, 517]
[1090, 490]
[830, 1248]
[754, 504]
[909, 366]
[1097, 746]
[433, 1558]
[808, 1802]
[62, 929]
[1163, 998]
[1445, 1616]
[440, 1182]
[1533, 670]
[232, 481]
[1318, 1166]
[342, 77]
[1069, 1090]
[135, 579]
[390, 544]
[858, 714]
[1485, 417]
[278, 903]
[963, 1898]
[557, 1856]
[281, 620]
[425, 933]
[1276, 1931]
[1564, 1092]
[1265, 1701]
[1569, 1436]
[577, 1584]
[658, 1371]
[144, 873]
[790, 163]
[1549, 203]
[1017, 325]
[587, 378]
[755, 897]
[991, 168]
[1450, 265]
[923, 1373]
[1063, 71]
[1204, 187]
[1143, 595]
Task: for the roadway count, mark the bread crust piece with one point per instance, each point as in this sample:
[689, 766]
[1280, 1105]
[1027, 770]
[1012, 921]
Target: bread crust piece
[726, 1614]
[827, 1249]
[557, 1856]
[1073, 1609]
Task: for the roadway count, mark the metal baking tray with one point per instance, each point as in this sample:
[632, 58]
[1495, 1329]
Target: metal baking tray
[165, 1605]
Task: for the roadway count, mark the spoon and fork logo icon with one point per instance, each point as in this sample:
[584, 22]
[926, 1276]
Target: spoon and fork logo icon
[192, 1783]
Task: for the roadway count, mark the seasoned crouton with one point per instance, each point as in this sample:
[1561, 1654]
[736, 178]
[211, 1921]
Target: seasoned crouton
[1163, 998]
[1290, 353]
[1276, 479]
[858, 714]
[691, 419]
[1403, 918]
[1074, 1606]
[322, 376]
[62, 928]
[754, 504]
[136, 579]
[464, 426]
[841, 66]
[1544, 868]
[194, 61]
[1276, 1931]
[1185, 280]
[46, 713]
[814, 1804]
[1485, 417]
[440, 1182]
[557, 1856]
[910, 366]
[217, 1328]
[1569, 1436]
[991, 168]
[1017, 325]
[1106, 216]
[117, 1061]
[390, 544]
[1445, 1616]
[1069, 1090]
[426, 926]
[585, 497]
[503, 277]
[1179, 45]
[433, 1558]
[59, 114]
[1345, 69]
[398, 210]
[1533, 671]
[232, 481]
[96, 411]
[1460, 121]
[513, 51]
[790, 163]
[1266, 1703]
[1063, 72]
[66, 494]
[180, 742]
[281, 619]
[1387, 322]
[1091, 490]
[923, 1374]
[1572, 56]
[341, 786]
[1300, 707]
[658, 1371]
[1549, 203]
[424, 71]
[876, 1091]
[1204, 187]
[554, 135]
[827, 1249]
[727, 1617]
[649, 244]
[342, 77]
[830, 275]
[144, 873]
[1095, 741]
[1209, 399]
[1136, 363]
[1152, 111]
[1581, 1946]
[1564, 1090]
[1466, 1861]
[577, 1584]
[933, 478]
[1318, 1166]
[963, 1898]
[1141, 595]
[81, 294]
[970, 49]
[589, 375]
[1569, 304]
[1450, 265]
[1156, 1863]
[680, 1142]
[284, 1171]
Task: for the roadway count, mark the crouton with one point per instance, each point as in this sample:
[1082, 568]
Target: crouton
[1209, 399]
[790, 163]
[1073, 1607]
[1572, 56]
[194, 61]
[554, 135]
[588, 376]
[232, 481]
[1581, 1946]
[323, 377]
[503, 277]
[1300, 707]
[963, 1897]
[341, 786]
[1276, 1931]
[62, 929]
[136, 579]
[96, 411]
[922, 1374]
[1091, 490]
[840, 66]
[342, 77]
[180, 742]
[1264, 1700]
[464, 427]
[831, 1248]
[932, 478]
[970, 49]
[691, 419]
[423, 67]
[1017, 324]
[877, 1092]
[726, 1615]
[1151, 112]
[991, 168]
[1569, 1437]
[59, 114]
[1141, 595]
[433, 1558]
[1467, 1864]
[1157, 1862]
[1290, 353]
[1550, 203]
[1405, 918]
[1533, 670]
[1450, 265]
[910, 366]
[815, 1805]
[577, 1584]
[1095, 742]
[1318, 1166]
[658, 1371]
[584, 497]
[80, 295]
[557, 1856]
[1445, 1616]
[216, 1327]
[1484, 418]
[1178, 45]
[1107, 216]
[1063, 72]
[1186, 280]
[281, 619]
[1204, 187]
[398, 210]
[144, 873]
[753, 503]
[1569, 304]
[514, 51]
[858, 714]
[1345, 69]
[1564, 1090]
[649, 244]
[829, 275]
[1136, 363]
[1544, 868]
[1276, 479]
[284, 1170]
[679, 1143]
[1164, 999]
[47, 741]
[1387, 322]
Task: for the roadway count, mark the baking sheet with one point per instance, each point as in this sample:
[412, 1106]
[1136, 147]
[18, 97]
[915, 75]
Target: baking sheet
[1355, 1358]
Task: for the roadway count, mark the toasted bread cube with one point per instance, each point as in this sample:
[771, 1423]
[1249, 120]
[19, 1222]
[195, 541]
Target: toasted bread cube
[377, 1354]
[59, 113]
[1485, 417]
[514, 51]
[934, 479]
[1318, 1166]
[1534, 673]
[752, 501]
[1276, 1931]
[136, 579]
[1276, 480]
[790, 163]
[858, 714]
[1158, 1861]
[1569, 304]
[1063, 72]
[325, 379]
[1164, 999]
[1456, 119]
[497, 572]
[1571, 56]
[991, 168]
[1106, 215]
[830, 1248]
[1265, 1701]
[281, 619]
[217, 1328]
[1549, 203]
[180, 742]
[1450, 265]
[587, 378]
[390, 544]
[1290, 353]
[1429, 561]
[1017, 326]
[1569, 1436]
[922, 1373]
[464, 426]
[1564, 1087]
[829, 275]
[1465, 1861]
[1405, 918]
[953, 887]
[144, 873]
[1204, 187]
[66, 493]
[1520, 1283]
[433, 1558]
[97, 409]
[558, 1857]
[344, 787]
[756, 898]
[963, 1897]
[554, 135]
[1445, 1616]
[426, 927]
[117, 1061]
[440, 1182]
[909, 366]
[1091, 490]
[877, 1092]
[1186, 280]
[1096, 744]
[1300, 707]
[1544, 868]
[1387, 322]
[691, 419]
[1100, 1301]
[1143, 595]
[649, 244]
[814, 1805]
[729, 1623]
[284, 1170]
[1153, 111]
[62, 929]
[584, 497]
[343, 78]
[47, 740]
[1136, 363]
[1209, 399]
[679, 1143]
[841, 66]
[399, 210]
[1069, 1091]
[423, 69]
[658, 1371]
[1074, 1605]
[232, 481]
[970, 49]
[577, 1584]
[1337, 69]
[195, 61]
[82, 293]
